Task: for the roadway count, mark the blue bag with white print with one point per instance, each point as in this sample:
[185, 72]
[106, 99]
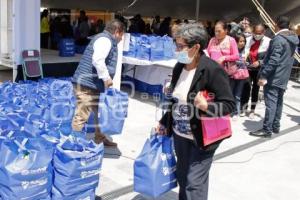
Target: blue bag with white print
[155, 167]
[113, 109]
[25, 169]
[77, 165]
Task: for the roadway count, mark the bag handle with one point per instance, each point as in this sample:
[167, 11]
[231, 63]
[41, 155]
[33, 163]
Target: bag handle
[112, 91]
[10, 134]
[22, 144]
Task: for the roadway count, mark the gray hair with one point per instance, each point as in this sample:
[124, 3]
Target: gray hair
[115, 25]
[193, 33]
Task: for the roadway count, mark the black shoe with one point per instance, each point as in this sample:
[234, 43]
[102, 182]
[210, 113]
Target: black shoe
[261, 133]
[276, 131]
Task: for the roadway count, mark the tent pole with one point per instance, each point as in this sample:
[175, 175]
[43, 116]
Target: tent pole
[197, 9]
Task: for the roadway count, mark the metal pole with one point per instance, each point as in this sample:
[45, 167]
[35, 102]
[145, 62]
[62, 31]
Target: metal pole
[197, 9]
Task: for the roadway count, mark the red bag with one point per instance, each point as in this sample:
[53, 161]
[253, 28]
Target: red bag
[215, 129]
[241, 74]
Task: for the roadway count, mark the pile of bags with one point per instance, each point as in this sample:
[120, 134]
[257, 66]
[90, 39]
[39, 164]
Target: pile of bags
[151, 48]
[41, 157]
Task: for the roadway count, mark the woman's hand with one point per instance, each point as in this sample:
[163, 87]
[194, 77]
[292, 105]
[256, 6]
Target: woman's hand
[255, 64]
[161, 129]
[200, 102]
[221, 60]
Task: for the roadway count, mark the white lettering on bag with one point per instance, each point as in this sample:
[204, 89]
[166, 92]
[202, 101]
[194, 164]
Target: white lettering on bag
[169, 183]
[30, 184]
[87, 174]
[165, 156]
[167, 171]
[86, 161]
[34, 171]
[86, 198]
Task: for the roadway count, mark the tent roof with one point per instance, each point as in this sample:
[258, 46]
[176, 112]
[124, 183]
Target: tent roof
[209, 9]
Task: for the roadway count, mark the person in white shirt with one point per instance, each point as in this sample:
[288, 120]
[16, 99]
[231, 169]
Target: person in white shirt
[95, 72]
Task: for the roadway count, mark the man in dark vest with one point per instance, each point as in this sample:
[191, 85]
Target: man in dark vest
[95, 73]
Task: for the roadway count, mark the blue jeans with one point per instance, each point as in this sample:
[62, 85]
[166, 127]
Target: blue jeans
[237, 87]
[274, 104]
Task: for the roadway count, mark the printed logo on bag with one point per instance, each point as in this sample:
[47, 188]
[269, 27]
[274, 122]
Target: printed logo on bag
[34, 171]
[86, 198]
[167, 171]
[165, 157]
[169, 183]
[30, 184]
[87, 174]
[86, 161]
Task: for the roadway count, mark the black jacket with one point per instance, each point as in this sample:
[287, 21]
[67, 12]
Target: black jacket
[279, 60]
[211, 77]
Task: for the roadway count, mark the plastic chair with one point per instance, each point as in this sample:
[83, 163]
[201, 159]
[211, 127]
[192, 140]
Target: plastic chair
[32, 65]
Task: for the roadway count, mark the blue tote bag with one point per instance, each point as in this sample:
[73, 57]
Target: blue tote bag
[169, 48]
[113, 108]
[67, 47]
[143, 48]
[26, 169]
[132, 46]
[157, 48]
[89, 127]
[77, 164]
[155, 167]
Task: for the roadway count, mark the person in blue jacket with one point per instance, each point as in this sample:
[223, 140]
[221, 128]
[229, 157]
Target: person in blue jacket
[274, 75]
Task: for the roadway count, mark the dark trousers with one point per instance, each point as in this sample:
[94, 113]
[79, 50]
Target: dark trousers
[274, 104]
[250, 89]
[44, 40]
[237, 87]
[193, 165]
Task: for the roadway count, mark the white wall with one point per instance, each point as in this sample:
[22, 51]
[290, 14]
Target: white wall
[26, 26]
[6, 31]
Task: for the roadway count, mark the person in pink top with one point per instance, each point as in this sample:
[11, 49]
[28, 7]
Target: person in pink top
[222, 48]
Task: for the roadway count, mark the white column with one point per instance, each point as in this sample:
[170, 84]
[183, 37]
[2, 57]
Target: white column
[26, 27]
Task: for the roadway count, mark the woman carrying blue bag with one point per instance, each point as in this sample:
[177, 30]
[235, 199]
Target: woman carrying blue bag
[155, 167]
[193, 74]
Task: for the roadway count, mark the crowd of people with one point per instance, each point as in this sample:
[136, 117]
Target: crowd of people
[61, 27]
[250, 60]
[230, 60]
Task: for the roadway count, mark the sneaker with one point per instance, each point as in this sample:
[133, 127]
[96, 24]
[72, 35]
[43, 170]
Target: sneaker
[243, 114]
[235, 118]
[261, 133]
[252, 115]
